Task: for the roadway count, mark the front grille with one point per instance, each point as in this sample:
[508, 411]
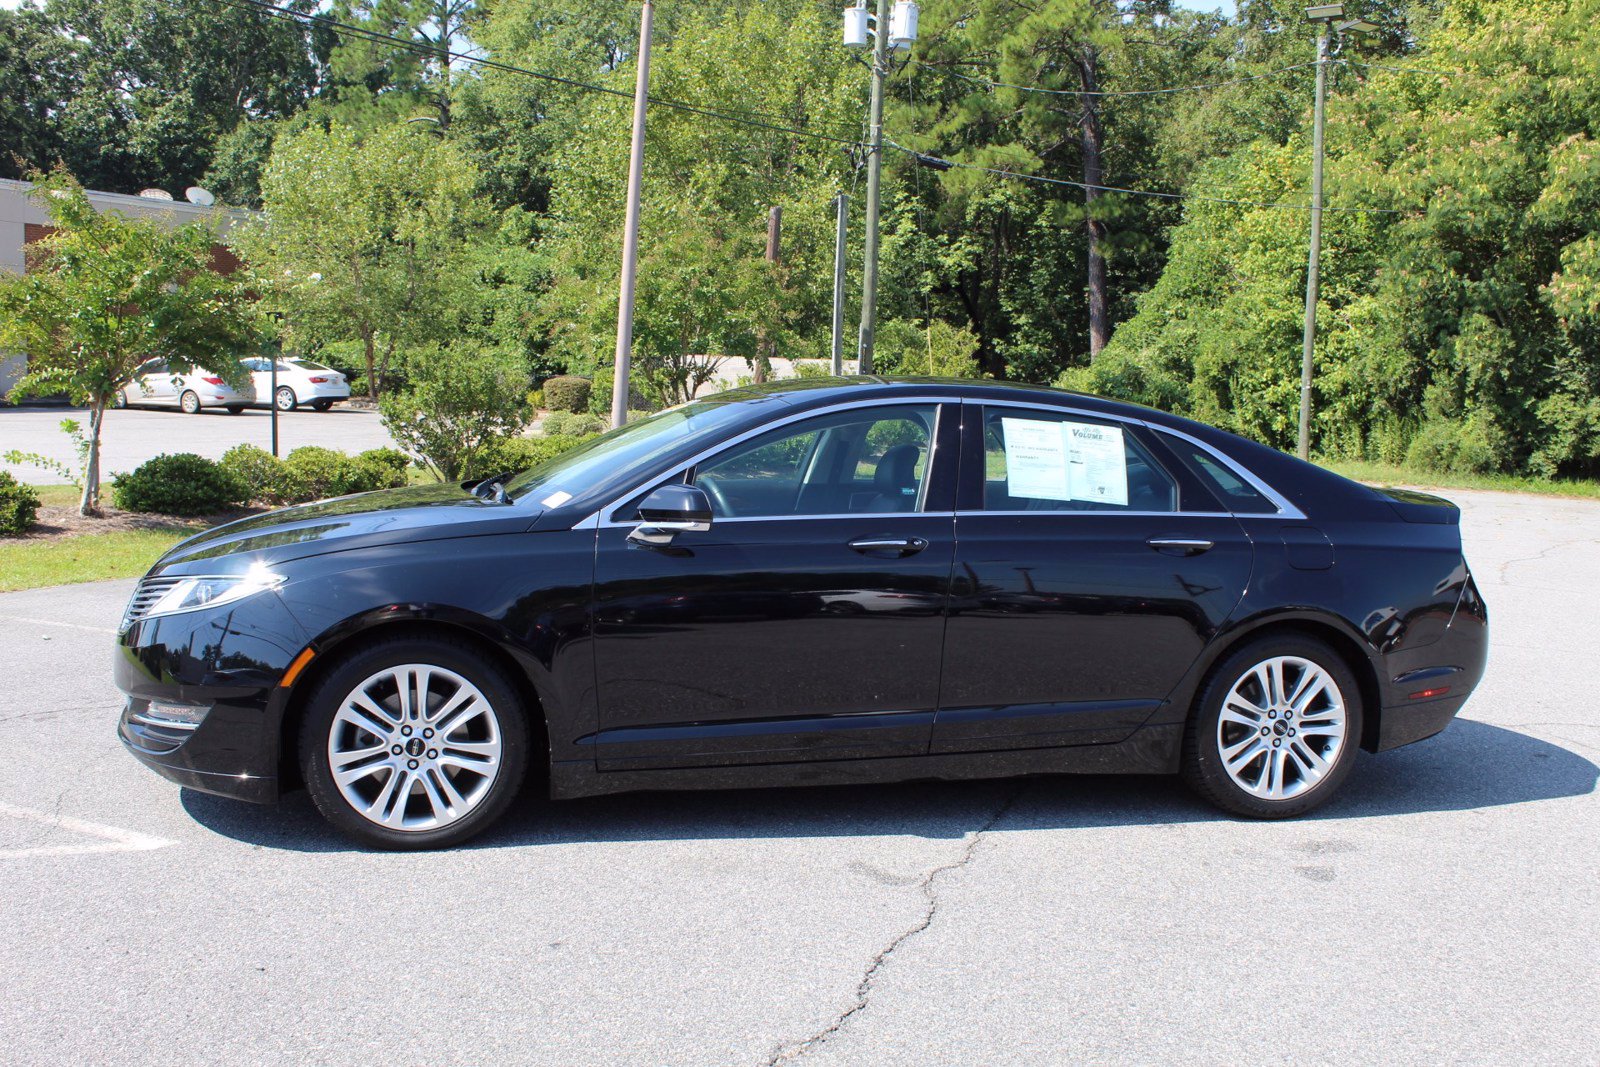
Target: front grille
[144, 598]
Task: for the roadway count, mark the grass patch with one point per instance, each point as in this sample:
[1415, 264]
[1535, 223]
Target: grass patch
[1394, 474]
[89, 557]
[58, 496]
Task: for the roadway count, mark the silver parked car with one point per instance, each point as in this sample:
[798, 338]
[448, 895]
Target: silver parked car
[156, 384]
[300, 381]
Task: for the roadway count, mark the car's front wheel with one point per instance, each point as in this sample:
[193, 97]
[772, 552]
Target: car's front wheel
[414, 743]
[1275, 729]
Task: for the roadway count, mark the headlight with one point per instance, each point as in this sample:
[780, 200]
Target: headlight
[191, 594]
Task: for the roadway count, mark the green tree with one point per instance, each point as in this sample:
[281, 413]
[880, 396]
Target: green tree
[109, 293]
[462, 401]
[370, 238]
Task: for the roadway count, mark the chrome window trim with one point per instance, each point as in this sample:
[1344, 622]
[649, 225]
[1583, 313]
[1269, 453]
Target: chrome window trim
[598, 520]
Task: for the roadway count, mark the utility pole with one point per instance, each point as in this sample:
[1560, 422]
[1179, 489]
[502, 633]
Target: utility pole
[869, 280]
[630, 233]
[841, 203]
[1325, 15]
[1313, 262]
[774, 256]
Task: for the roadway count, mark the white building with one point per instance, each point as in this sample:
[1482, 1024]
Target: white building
[23, 220]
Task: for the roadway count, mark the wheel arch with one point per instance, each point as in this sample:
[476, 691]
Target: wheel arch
[1360, 657]
[334, 645]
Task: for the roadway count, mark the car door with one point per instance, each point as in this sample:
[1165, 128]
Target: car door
[153, 384]
[1091, 570]
[260, 375]
[807, 622]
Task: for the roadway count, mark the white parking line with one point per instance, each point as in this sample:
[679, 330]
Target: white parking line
[53, 622]
[112, 839]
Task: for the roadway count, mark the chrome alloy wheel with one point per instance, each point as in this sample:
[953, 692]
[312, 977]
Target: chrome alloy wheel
[414, 747]
[1282, 728]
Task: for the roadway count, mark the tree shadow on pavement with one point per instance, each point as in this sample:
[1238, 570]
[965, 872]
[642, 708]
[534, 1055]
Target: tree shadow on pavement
[1471, 765]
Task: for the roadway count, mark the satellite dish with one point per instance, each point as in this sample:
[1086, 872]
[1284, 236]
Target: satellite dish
[155, 194]
[196, 195]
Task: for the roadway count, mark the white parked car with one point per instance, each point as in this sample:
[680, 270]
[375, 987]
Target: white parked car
[300, 381]
[157, 385]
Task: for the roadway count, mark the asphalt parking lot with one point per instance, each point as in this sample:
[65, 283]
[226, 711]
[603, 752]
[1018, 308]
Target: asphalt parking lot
[1444, 910]
[133, 435]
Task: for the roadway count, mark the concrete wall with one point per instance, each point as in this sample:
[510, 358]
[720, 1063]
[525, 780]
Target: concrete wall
[19, 212]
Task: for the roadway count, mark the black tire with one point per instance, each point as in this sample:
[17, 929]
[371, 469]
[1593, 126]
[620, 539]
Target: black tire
[317, 738]
[321, 405]
[1203, 767]
[189, 402]
[235, 409]
[120, 399]
[285, 399]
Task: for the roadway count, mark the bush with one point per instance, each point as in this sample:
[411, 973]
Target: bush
[19, 505]
[525, 453]
[314, 473]
[536, 400]
[567, 424]
[257, 471]
[178, 484]
[461, 399]
[1472, 446]
[386, 468]
[568, 392]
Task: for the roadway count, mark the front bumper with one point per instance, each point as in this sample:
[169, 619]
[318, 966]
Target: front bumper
[221, 669]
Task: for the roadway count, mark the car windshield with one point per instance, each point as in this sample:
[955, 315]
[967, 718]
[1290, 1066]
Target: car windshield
[575, 472]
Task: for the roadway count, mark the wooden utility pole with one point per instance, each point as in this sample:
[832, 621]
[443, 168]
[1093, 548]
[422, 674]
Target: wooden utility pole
[630, 233]
[1094, 176]
[774, 242]
[869, 280]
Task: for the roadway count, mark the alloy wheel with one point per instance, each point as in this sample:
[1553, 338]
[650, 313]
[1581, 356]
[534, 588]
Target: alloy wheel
[1282, 727]
[285, 398]
[415, 747]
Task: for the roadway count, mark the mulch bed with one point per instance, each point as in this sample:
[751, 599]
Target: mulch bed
[58, 523]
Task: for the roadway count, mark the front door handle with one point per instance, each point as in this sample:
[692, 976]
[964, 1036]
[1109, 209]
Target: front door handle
[888, 546]
[1181, 546]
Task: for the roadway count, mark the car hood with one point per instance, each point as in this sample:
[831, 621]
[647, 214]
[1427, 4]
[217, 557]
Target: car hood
[416, 513]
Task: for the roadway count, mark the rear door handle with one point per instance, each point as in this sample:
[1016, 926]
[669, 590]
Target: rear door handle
[1181, 546]
[888, 546]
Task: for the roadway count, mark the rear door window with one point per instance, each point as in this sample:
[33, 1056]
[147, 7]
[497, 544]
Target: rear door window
[1038, 460]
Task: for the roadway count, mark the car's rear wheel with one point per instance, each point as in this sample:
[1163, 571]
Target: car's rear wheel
[119, 399]
[235, 409]
[322, 405]
[1275, 729]
[414, 743]
[286, 399]
[189, 402]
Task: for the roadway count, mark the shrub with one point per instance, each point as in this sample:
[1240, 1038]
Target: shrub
[257, 471]
[178, 484]
[19, 505]
[461, 398]
[536, 400]
[567, 392]
[525, 453]
[1472, 446]
[386, 467]
[314, 473]
[567, 424]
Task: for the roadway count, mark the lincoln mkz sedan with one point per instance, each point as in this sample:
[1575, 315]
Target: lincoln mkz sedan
[823, 581]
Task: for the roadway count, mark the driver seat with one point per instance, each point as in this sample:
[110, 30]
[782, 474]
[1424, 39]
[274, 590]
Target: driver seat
[895, 479]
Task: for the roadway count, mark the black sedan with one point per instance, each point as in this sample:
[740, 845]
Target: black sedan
[825, 581]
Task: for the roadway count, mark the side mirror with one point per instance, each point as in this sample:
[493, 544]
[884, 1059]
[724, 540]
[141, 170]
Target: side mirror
[670, 510]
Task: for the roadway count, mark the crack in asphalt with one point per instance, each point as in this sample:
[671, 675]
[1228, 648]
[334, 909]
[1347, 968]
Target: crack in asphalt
[54, 825]
[788, 1053]
[1540, 555]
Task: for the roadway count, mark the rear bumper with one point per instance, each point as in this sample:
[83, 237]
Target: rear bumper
[1453, 667]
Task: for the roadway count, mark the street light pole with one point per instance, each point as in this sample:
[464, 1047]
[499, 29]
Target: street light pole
[1313, 262]
[630, 233]
[869, 280]
[842, 205]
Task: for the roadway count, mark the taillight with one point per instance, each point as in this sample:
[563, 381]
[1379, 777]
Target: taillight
[318, 381]
[212, 381]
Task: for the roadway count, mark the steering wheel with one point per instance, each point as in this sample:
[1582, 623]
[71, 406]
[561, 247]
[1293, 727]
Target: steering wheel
[719, 496]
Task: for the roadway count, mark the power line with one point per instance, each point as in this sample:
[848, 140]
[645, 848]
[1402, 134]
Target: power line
[1020, 175]
[733, 115]
[988, 84]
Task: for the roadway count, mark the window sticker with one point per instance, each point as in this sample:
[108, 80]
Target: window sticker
[1065, 461]
[1036, 459]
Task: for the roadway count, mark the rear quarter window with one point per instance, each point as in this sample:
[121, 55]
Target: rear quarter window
[1236, 494]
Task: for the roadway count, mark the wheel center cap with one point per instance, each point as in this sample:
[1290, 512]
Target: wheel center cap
[414, 747]
[1279, 728]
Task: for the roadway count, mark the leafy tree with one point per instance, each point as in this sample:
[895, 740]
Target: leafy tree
[109, 293]
[368, 238]
[461, 401]
[135, 93]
